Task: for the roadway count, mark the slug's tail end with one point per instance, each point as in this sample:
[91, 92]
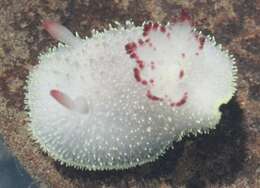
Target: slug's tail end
[60, 32]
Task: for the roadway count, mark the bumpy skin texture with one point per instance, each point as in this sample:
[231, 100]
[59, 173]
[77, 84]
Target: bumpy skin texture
[120, 98]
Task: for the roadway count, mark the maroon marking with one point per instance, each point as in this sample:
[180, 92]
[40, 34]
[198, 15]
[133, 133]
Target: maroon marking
[196, 36]
[174, 20]
[168, 35]
[152, 97]
[134, 56]
[181, 74]
[162, 29]
[62, 98]
[183, 100]
[150, 26]
[141, 42]
[151, 81]
[147, 28]
[140, 63]
[144, 82]
[137, 74]
[184, 15]
[155, 26]
[152, 65]
[147, 40]
[130, 47]
[201, 42]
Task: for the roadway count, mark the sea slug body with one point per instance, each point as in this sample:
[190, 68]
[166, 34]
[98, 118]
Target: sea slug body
[120, 98]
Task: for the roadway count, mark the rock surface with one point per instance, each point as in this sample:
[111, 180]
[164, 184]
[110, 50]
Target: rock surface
[228, 157]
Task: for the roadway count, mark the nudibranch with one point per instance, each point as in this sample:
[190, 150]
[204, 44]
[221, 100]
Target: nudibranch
[120, 98]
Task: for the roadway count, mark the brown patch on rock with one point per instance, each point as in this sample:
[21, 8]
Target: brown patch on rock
[245, 8]
[227, 29]
[254, 92]
[123, 4]
[252, 44]
[155, 9]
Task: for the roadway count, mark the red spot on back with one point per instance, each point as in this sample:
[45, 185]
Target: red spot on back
[162, 29]
[201, 42]
[152, 97]
[181, 74]
[137, 74]
[141, 42]
[151, 81]
[184, 15]
[140, 63]
[182, 101]
[152, 65]
[144, 82]
[147, 28]
[155, 26]
[147, 40]
[133, 55]
[130, 47]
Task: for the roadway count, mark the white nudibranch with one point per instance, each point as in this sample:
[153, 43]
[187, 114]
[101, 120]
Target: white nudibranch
[120, 98]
